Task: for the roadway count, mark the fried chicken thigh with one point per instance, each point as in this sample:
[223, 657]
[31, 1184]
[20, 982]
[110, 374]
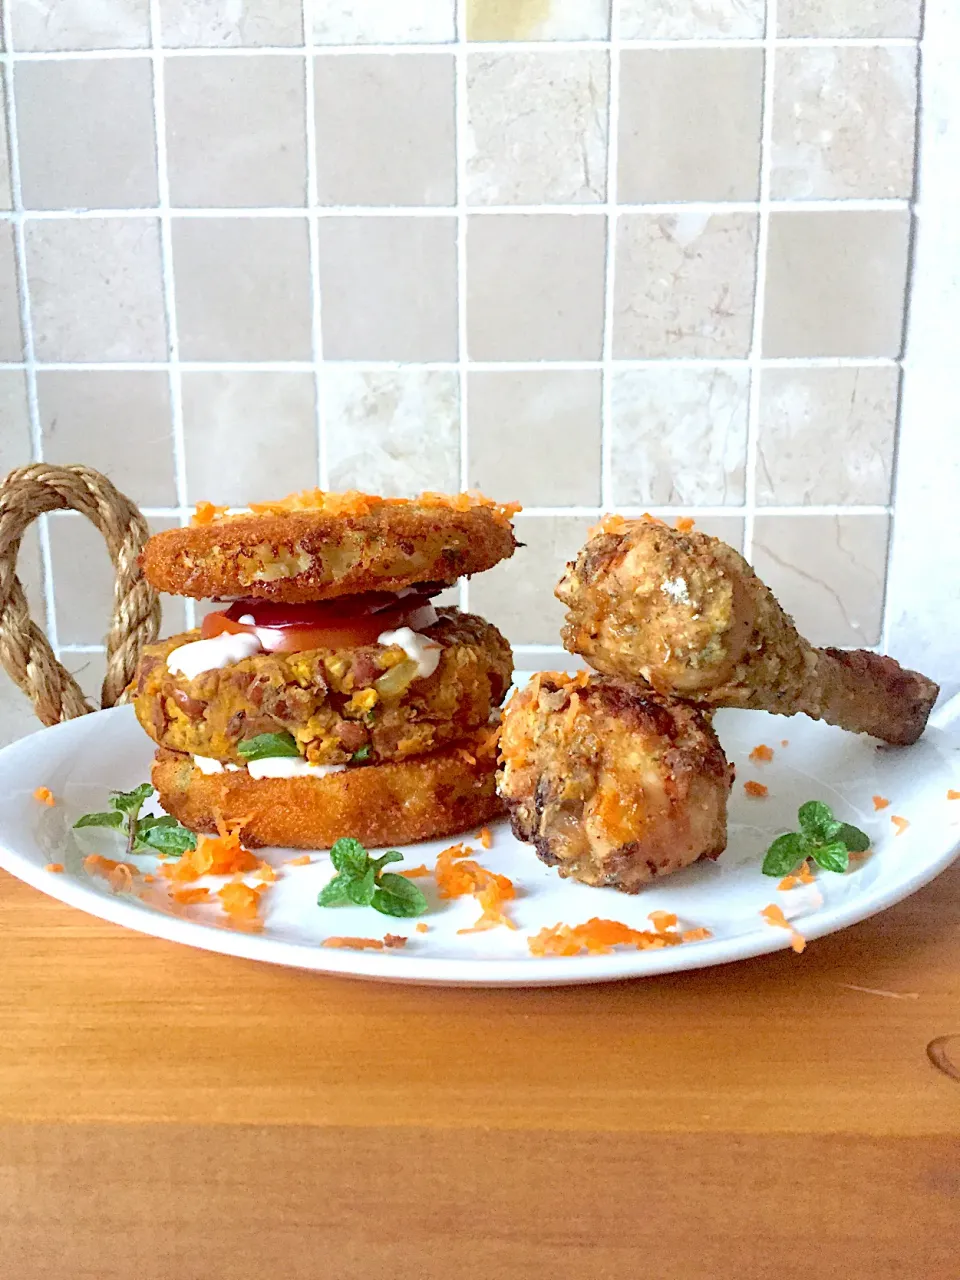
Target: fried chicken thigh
[686, 613]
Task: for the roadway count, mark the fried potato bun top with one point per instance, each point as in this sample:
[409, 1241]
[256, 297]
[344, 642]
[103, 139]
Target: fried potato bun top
[318, 546]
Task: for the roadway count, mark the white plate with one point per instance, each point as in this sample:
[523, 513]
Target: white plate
[83, 760]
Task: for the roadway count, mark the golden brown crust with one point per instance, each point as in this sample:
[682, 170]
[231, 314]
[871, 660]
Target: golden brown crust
[335, 702]
[298, 556]
[442, 794]
[612, 784]
[686, 612]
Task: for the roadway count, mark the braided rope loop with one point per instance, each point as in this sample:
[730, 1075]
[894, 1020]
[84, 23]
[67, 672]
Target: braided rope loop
[24, 650]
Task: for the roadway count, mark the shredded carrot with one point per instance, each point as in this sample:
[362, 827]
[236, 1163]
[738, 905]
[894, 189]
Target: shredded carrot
[654, 520]
[240, 901]
[354, 503]
[784, 742]
[149, 877]
[880, 802]
[206, 513]
[56, 867]
[662, 920]
[45, 796]
[422, 928]
[685, 524]
[599, 937]
[356, 944]
[187, 896]
[695, 935]
[773, 915]
[412, 873]
[801, 876]
[119, 875]
[756, 789]
[762, 752]
[219, 855]
[953, 795]
[392, 940]
[900, 823]
[265, 873]
[485, 838]
[303, 861]
[610, 523]
[466, 756]
[457, 874]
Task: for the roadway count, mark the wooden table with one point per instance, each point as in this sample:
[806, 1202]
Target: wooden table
[165, 1113]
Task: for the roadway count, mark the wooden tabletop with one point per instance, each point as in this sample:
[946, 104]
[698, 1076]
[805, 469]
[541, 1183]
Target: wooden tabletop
[169, 1113]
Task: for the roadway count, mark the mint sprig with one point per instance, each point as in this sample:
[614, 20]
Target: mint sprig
[267, 746]
[361, 882]
[821, 837]
[162, 834]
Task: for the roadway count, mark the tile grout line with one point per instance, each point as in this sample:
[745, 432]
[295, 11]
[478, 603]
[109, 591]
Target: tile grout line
[313, 235]
[26, 327]
[169, 290]
[760, 282]
[461, 127]
[613, 131]
[485, 366]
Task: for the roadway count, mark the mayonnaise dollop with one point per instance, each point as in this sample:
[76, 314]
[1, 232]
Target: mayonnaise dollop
[419, 649]
[290, 767]
[208, 765]
[190, 660]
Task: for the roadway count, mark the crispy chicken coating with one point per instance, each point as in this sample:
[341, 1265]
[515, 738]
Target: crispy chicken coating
[686, 612]
[336, 703]
[612, 784]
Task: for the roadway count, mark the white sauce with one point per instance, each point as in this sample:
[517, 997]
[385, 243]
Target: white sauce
[207, 765]
[212, 655]
[676, 589]
[290, 767]
[419, 649]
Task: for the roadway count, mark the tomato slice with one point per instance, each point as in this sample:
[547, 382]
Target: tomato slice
[326, 625]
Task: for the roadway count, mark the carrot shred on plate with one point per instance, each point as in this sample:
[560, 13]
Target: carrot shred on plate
[755, 789]
[119, 875]
[219, 855]
[598, 937]
[266, 874]
[662, 921]
[355, 944]
[240, 901]
[953, 795]
[802, 875]
[422, 927]
[303, 861]
[485, 838]
[761, 752]
[457, 874]
[45, 796]
[55, 867]
[394, 940]
[784, 742]
[685, 524]
[413, 873]
[900, 823]
[880, 802]
[773, 915]
[695, 935]
[198, 893]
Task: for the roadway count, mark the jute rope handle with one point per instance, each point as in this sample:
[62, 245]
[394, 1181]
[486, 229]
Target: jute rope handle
[24, 651]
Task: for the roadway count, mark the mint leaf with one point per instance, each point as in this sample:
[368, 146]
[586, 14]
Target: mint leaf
[817, 821]
[363, 754]
[360, 890]
[165, 835]
[398, 896]
[856, 841]
[392, 855]
[113, 819]
[785, 854]
[266, 746]
[832, 857]
[336, 892]
[131, 801]
[349, 856]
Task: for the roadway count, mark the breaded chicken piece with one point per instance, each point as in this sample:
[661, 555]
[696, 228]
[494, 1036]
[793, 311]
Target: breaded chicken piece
[613, 785]
[686, 612]
[340, 705]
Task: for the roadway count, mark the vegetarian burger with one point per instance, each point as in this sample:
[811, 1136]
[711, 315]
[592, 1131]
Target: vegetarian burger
[329, 696]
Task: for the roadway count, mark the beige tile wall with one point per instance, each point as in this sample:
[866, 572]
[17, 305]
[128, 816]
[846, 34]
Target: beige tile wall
[647, 254]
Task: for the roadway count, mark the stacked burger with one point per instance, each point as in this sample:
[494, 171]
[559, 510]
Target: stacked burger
[328, 696]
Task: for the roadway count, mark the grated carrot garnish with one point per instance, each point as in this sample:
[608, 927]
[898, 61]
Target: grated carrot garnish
[119, 875]
[422, 928]
[354, 503]
[149, 878]
[880, 802]
[801, 876]
[610, 523]
[900, 823]
[356, 944]
[695, 935]
[45, 796]
[685, 524]
[412, 873]
[240, 901]
[303, 861]
[485, 838]
[457, 874]
[762, 752]
[784, 742]
[393, 940]
[755, 789]
[206, 513]
[187, 896]
[773, 915]
[662, 920]
[599, 937]
[55, 867]
[654, 520]
[466, 756]
[265, 873]
[219, 855]
[953, 795]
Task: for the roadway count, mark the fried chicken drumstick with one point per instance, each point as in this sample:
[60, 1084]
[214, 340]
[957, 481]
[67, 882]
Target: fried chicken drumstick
[686, 613]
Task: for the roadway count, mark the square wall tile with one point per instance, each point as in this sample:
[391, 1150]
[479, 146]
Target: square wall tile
[535, 436]
[385, 129]
[84, 578]
[692, 19]
[382, 21]
[96, 290]
[118, 422]
[17, 718]
[6, 201]
[89, 670]
[11, 342]
[538, 19]
[849, 17]
[679, 436]
[78, 24]
[15, 443]
[264, 423]
[836, 283]
[828, 572]
[230, 23]
[79, 149]
[517, 595]
[690, 124]
[537, 128]
[684, 284]
[728, 529]
[396, 433]
[844, 122]
[389, 288]
[243, 288]
[826, 436]
[236, 134]
[535, 286]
